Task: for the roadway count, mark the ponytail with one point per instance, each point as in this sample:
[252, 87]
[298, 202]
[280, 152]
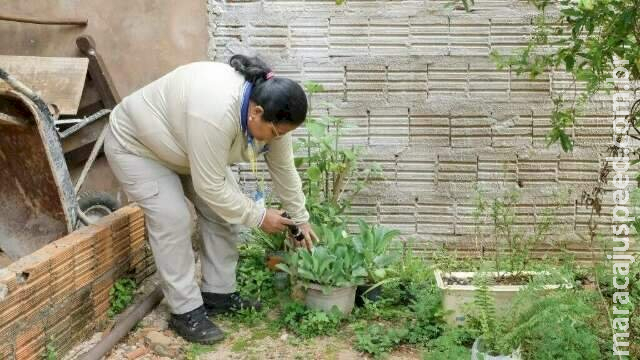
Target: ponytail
[252, 68]
[282, 99]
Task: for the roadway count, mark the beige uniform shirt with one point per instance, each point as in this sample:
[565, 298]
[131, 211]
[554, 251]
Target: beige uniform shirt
[189, 120]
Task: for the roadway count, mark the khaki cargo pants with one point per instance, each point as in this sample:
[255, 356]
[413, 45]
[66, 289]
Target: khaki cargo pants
[161, 193]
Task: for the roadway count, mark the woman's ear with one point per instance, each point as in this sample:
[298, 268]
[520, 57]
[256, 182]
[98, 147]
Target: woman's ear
[258, 111]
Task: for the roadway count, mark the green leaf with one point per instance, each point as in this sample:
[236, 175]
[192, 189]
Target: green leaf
[316, 129]
[314, 173]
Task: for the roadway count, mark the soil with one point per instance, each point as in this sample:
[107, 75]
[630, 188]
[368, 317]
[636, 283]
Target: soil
[152, 339]
[5, 260]
[521, 279]
[241, 342]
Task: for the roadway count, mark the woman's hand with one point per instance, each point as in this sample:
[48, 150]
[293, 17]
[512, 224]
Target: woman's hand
[274, 222]
[309, 236]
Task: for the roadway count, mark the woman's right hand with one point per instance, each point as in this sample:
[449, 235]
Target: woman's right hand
[274, 222]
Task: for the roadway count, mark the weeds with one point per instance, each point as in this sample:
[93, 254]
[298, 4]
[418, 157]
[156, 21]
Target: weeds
[121, 296]
[195, 350]
[308, 323]
[378, 340]
[50, 351]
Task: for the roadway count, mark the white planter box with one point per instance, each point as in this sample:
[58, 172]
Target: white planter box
[454, 297]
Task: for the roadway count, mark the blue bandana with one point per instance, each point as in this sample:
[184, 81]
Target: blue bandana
[244, 111]
[244, 116]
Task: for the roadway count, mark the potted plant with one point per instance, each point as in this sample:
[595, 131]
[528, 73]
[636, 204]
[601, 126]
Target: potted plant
[330, 271]
[373, 243]
[491, 344]
[511, 258]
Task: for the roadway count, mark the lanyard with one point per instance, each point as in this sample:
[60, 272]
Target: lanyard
[244, 117]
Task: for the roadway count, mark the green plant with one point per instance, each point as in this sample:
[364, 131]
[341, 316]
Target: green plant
[453, 345]
[378, 340]
[556, 325]
[489, 328]
[501, 212]
[195, 350]
[427, 322]
[583, 38]
[50, 350]
[335, 263]
[333, 176]
[269, 242]
[373, 244]
[253, 279]
[121, 296]
[308, 323]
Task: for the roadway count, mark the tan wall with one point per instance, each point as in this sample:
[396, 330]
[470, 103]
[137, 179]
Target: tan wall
[60, 293]
[139, 40]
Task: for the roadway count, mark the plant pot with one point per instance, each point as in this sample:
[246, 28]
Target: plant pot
[280, 280]
[343, 298]
[373, 295]
[454, 297]
[478, 354]
[274, 258]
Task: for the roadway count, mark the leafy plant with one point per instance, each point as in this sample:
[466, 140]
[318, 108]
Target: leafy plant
[453, 345]
[121, 296]
[335, 263]
[378, 340]
[427, 322]
[333, 176]
[556, 325]
[373, 244]
[583, 39]
[50, 350]
[253, 279]
[501, 213]
[308, 323]
[490, 329]
[269, 242]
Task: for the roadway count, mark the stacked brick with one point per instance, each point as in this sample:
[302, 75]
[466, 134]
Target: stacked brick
[415, 81]
[59, 294]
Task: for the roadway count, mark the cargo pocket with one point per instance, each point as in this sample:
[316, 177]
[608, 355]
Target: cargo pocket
[142, 191]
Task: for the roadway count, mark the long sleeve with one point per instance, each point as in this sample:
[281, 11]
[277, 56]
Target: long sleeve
[286, 180]
[208, 149]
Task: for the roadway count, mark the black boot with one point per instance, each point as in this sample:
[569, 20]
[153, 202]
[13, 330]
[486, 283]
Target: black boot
[216, 304]
[194, 326]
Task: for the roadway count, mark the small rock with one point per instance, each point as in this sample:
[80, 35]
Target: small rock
[284, 337]
[159, 343]
[137, 353]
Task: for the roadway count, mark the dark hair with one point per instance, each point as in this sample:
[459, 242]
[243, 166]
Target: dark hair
[282, 99]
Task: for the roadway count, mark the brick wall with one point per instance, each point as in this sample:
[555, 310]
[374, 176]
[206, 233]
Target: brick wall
[60, 293]
[415, 80]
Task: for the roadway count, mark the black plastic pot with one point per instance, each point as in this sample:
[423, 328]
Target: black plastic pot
[373, 295]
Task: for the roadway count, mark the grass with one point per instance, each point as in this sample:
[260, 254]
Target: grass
[195, 350]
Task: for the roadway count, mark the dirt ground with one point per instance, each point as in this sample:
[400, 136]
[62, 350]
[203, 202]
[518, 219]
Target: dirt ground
[152, 340]
[4, 260]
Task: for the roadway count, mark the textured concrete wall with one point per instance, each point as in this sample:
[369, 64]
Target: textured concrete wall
[138, 40]
[415, 80]
[60, 293]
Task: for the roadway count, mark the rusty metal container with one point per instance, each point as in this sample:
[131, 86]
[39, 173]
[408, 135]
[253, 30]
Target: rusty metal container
[37, 200]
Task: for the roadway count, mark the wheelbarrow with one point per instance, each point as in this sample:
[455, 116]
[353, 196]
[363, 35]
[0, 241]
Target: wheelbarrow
[38, 199]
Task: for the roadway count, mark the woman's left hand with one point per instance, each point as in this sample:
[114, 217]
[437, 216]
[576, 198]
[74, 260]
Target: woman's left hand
[309, 236]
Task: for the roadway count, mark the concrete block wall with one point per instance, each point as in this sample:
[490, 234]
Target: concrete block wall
[60, 293]
[415, 82]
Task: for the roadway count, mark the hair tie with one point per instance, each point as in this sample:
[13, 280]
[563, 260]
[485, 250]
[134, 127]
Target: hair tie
[269, 75]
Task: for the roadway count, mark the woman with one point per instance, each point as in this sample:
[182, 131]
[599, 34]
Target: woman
[177, 136]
